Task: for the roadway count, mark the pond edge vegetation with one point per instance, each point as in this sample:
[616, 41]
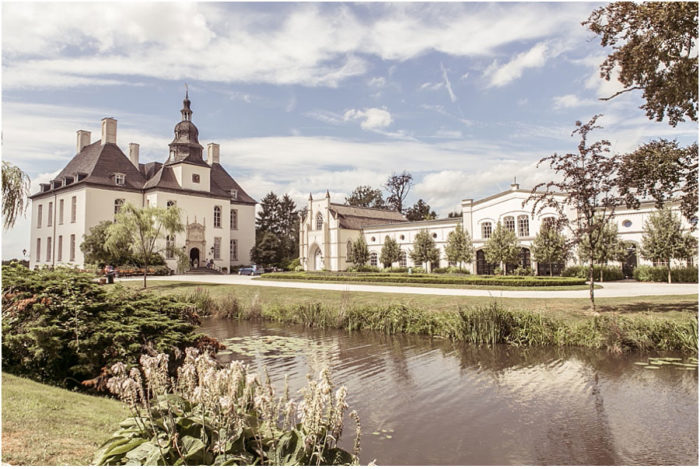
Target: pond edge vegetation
[480, 325]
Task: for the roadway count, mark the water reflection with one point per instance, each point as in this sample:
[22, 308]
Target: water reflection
[432, 402]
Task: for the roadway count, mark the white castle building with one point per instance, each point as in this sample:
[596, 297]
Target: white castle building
[328, 229]
[218, 215]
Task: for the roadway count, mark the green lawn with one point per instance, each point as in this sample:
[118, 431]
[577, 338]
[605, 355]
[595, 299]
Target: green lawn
[677, 306]
[46, 425]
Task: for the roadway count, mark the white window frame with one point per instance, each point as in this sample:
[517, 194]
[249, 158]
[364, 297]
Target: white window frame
[217, 248]
[217, 216]
[120, 179]
[523, 226]
[233, 249]
[39, 215]
[73, 208]
[234, 219]
[486, 229]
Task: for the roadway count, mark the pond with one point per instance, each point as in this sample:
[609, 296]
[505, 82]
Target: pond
[426, 401]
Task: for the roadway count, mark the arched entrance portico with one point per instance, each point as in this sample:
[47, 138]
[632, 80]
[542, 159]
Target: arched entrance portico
[194, 257]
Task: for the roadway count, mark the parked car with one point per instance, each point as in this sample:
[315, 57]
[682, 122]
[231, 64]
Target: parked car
[252, 270]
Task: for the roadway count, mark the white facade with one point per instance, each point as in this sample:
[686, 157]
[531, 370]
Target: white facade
[219, 217]
[327, 248]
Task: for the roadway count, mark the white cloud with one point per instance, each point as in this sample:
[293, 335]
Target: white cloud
[372, 118]
[571, 101]
[500, 75]
[49, 45]
[378, 82]
[448, 85]
[431, 86]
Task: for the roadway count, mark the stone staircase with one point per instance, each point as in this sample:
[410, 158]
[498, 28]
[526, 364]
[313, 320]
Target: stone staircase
[203, 271]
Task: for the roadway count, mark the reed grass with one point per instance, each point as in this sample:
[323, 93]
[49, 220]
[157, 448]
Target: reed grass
[487, 324]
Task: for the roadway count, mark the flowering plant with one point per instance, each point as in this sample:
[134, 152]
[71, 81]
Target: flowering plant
[216, 415]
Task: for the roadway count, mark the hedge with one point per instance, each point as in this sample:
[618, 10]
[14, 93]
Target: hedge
[431, 279]
[610, 273]
[647, 273]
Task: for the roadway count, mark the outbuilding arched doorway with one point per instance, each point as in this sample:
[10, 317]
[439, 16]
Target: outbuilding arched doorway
[194, 258]
[630, 260]
[318, 259]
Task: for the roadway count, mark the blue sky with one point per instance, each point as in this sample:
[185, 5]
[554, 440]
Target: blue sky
[304, 97]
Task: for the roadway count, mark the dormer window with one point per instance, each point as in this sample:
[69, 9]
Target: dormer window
[195, 178]
[120, 179]
[234, 194]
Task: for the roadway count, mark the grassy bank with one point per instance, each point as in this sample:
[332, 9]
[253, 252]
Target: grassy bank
[45, 425]
[677, 307]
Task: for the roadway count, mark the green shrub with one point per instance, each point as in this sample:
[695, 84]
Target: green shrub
[647, 273]
[60, 327]
[610, 273]
[435, 279]
[523, 272]
[396, 270]
[293, 264]
[223, 416]
[363, 268]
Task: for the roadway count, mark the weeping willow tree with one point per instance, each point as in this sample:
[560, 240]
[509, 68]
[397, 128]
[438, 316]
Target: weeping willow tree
[15, 190]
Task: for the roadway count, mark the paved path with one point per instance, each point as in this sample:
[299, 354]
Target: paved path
[609, 290]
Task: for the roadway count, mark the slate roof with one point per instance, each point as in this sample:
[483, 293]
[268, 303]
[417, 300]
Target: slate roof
[98, 163]
[356, 218]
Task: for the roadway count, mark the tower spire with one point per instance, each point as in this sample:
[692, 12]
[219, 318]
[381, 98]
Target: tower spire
[186, 111]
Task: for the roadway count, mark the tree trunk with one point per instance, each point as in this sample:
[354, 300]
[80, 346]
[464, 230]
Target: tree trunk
[551, 270]
[669, 271]
[601, 273]
[590, 290]
[145, 271]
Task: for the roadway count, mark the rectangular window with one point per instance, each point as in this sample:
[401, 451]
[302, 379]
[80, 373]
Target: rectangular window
[486, 230]
[72, 247]
[50, 214]
[234, 250]
[119, 179]
[234, 194]
[39, 215]
[73, 208]
[59, 256]
[217, 248]
[60, 212]
[169, 247]
[234, 219]
[48, 249]
[523, 226]
[38, 250]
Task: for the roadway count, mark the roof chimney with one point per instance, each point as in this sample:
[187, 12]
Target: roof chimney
[83, 140]
[212, 153]
[514, 186]
[134, 154]
[109, 130]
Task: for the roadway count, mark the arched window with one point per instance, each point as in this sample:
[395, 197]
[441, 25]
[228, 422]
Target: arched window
[523, 225]
[117, 206]
[486, 229]
[319, 221]
[217, 217]
[373, 259]
[548, 222]
[234, 219]
[402, 259]
[509, 223]
[348, 253]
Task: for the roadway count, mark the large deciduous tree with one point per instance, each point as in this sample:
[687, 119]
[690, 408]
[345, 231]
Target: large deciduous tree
[608, 248]
[398, 186]
[420, 211]
[144, 230]
[459, 248]
[424, 249]
[390, 252]
[15, 190]
[502, 247]
[550, 246]
[664, 171]
[584, 195]
[279, 218]
[663, 239]
[654, 49]
[94, 247]
[366, 196]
